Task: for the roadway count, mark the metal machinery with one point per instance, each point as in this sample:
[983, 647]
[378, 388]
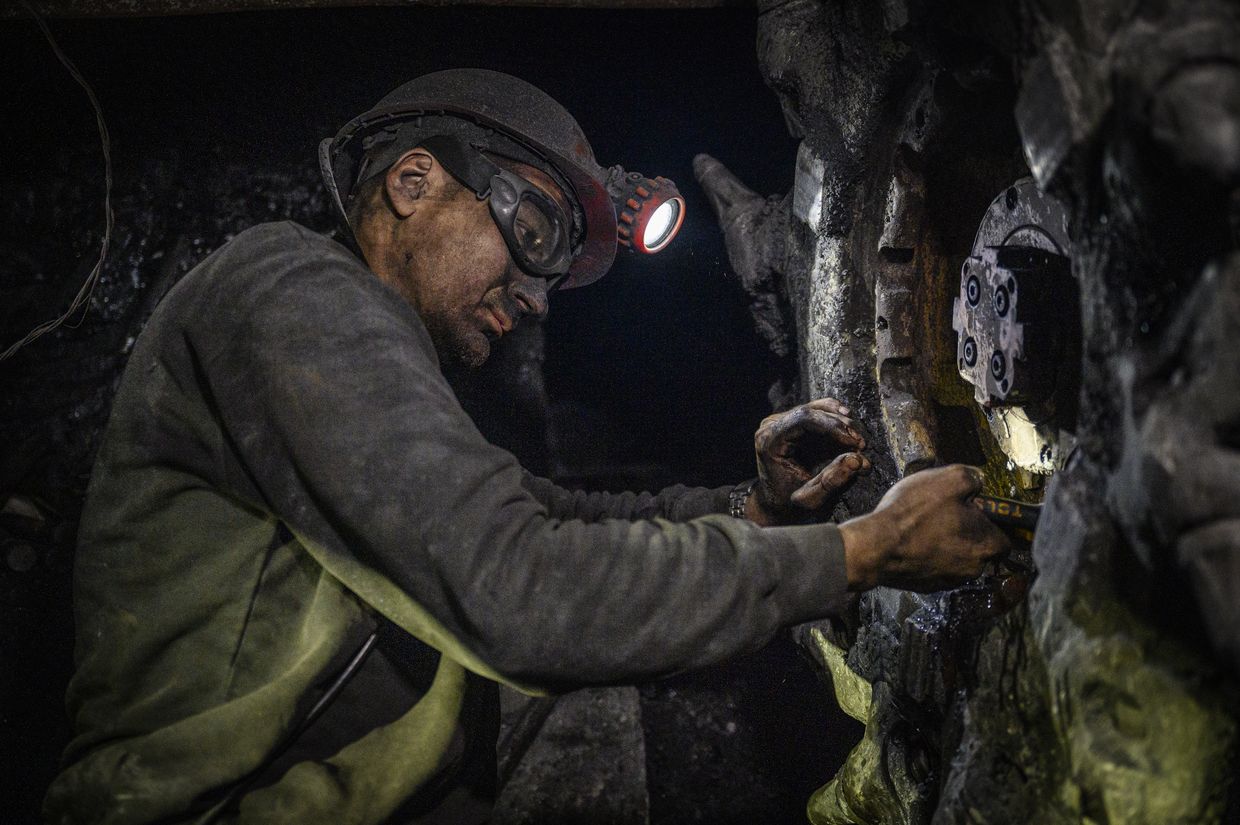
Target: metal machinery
[1017, 322]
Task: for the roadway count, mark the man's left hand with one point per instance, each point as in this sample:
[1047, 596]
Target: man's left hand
[806, 457]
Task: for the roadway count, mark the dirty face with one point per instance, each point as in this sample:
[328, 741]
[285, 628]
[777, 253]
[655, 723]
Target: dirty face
[449, 260]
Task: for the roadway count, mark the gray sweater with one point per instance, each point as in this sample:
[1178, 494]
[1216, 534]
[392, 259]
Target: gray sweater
[285, 471]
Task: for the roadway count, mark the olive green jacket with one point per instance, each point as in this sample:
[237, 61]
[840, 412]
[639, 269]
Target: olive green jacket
[285, 471]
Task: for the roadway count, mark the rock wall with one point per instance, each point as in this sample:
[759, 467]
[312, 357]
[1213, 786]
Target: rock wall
[1093, 677]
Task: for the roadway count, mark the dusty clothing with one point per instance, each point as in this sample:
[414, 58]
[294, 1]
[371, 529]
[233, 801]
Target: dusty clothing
[285, 471]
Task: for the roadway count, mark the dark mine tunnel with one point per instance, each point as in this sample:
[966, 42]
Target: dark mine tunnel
[1003, 234]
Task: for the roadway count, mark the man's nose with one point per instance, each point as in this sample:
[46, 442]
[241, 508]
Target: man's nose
[530, 293]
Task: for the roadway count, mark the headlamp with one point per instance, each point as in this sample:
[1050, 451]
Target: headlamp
[649, 211]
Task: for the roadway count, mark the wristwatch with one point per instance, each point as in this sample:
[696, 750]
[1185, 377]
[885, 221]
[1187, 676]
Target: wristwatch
[739, 497]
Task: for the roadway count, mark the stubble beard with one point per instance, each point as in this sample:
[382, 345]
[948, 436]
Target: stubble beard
[462, 347]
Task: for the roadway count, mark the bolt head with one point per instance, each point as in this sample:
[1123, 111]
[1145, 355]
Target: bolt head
[970, 352]
[998, 365]
[1003, 301]
[973, 290]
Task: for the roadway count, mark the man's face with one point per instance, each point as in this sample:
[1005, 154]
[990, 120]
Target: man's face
[455, 268]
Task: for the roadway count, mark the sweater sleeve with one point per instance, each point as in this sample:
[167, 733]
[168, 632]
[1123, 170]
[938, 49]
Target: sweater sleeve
[337, 421]
[676, 503]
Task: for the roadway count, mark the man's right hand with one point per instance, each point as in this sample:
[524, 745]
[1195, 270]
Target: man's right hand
[925, 534]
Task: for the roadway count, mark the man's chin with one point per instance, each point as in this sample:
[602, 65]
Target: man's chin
[461, 346]
[469, 353]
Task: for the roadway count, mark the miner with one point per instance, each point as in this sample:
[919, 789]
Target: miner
[302, 571]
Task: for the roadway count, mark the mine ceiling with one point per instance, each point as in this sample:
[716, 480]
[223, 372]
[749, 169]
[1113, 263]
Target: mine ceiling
[153, 8]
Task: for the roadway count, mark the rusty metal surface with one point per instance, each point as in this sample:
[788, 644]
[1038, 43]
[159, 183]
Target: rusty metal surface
[156, 8]
[899, 319]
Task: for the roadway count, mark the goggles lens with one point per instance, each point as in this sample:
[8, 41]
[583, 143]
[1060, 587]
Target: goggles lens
[540, 237]
[534, 227]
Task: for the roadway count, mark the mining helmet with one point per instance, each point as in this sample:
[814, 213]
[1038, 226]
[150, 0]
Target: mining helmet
[481, 110]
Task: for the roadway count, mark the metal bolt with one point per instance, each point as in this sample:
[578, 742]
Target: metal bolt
[1003, 301]
[970, 352]
[973, 290]
[998, 365]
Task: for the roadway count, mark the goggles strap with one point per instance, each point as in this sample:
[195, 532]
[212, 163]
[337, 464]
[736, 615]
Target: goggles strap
[465, 163]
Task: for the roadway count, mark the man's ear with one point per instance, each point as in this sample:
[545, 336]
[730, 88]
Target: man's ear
[407, 179]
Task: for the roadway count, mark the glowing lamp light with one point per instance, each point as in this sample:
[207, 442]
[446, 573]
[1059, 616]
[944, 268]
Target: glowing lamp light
[649, 214]
[662, 226]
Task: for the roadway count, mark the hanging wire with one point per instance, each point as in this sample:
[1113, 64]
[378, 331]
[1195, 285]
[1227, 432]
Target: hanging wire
[88, 286]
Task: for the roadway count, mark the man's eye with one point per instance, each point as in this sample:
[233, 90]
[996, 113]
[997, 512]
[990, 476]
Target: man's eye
[532, 237]
[525, 233]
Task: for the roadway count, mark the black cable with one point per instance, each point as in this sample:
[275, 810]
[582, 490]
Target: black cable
[243, 784]
[521, 736]
[88, 286]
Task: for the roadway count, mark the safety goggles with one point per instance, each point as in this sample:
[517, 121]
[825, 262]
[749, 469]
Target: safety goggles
[537, 231]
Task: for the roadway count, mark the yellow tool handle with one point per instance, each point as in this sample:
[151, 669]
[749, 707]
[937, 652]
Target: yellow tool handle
[1009, 513]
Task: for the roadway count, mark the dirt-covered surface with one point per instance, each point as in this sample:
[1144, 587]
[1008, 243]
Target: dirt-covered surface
[1094, 678]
